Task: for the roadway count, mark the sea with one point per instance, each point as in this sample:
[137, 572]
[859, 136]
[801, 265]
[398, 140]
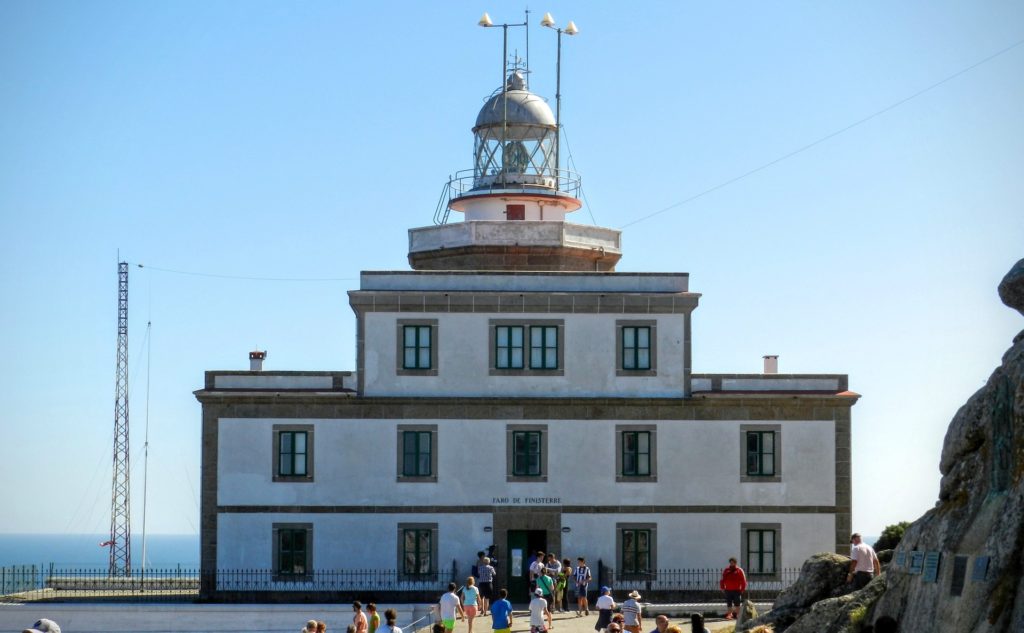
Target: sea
[83, 551]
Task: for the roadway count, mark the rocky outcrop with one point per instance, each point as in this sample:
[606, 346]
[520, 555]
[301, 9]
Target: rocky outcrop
[960, 567]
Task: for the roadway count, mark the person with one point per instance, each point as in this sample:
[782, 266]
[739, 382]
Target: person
[554, 569]
[631, 612]
[450, 607]
[614, 627]
[733, 583]
[697, 624]
[660, 624]
[374, 623]
[546, 584]
[582, 578]
[390, 617]
[864, 565]
[605, 605]
[309, 628]
[321, 626]
[470, 598]
[501, 613]
[675, 628]
[43, 626]
[359, 619]
[536, 567]
[486, 572]
[475, 570]
[539, 613]
[563, 578]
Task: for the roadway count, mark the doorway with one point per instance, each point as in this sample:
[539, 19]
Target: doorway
[522, 544]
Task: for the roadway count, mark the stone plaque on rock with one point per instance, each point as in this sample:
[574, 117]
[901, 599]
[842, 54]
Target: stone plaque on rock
[980, 573]
[916, 562]
[901, 559]
[956, 588]
[931, 567]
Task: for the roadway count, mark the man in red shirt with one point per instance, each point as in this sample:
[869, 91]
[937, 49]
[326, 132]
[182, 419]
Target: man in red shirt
[733, 583]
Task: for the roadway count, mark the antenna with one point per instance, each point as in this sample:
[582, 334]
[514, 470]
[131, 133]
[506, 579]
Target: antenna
[120, 492]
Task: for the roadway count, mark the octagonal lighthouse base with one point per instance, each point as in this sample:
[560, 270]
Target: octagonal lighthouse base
[513, 245]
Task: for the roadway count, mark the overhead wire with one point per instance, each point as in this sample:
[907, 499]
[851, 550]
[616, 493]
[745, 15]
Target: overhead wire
[821, 140]
[583, 191]
[243, 277]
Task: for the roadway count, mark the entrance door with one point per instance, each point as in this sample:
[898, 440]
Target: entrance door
[522, 545]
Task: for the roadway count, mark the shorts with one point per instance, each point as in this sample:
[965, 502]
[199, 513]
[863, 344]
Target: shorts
[470, 610]
[486, 590]
[504, 630]
[448, 624]
[632, 628]
[581, 590]
[732, 598]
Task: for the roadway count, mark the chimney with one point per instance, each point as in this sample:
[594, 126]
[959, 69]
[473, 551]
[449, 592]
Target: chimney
[771, 364]
[256, 360]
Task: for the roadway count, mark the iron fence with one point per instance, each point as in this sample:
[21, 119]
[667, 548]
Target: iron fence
[695, 584]
[50, 583]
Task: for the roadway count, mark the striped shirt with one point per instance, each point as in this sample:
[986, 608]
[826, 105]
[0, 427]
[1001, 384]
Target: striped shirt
[582, 575]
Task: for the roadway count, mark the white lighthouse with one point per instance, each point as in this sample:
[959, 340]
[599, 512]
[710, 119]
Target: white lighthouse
[515, 200]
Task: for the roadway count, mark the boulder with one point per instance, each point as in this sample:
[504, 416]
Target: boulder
[747, 612]
[1011, 289]
[845, 614]
[821, 576]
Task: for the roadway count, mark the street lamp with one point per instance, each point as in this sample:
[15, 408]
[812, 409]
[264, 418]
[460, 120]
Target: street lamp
[570, 29]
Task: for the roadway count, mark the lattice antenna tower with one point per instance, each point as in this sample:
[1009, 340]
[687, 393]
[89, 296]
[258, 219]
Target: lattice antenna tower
[120, 493]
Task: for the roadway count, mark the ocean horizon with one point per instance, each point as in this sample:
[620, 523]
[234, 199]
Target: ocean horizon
[84, 551]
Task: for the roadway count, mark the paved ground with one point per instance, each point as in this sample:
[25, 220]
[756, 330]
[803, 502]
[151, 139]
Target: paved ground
[286, 618]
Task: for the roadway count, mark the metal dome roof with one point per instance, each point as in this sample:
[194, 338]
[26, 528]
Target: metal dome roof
[524, 107]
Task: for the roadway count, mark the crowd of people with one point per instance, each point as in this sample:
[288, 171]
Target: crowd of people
[553, 583]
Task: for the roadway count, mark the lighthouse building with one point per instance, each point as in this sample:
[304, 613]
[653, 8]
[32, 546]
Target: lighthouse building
[512, 392]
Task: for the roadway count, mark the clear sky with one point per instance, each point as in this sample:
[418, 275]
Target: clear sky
[301, 140]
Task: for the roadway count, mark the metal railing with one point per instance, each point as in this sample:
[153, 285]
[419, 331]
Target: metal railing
[49, 583]
[696, 584]
[467, 181]
[30, 583]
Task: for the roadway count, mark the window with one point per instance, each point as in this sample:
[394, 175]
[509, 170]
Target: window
[760, 449]
[515, 211]
[508, 351]
[635, 448]
[527, 347]
[527, 452]
[636, 550]
[417, 347]
[636, 347]
[417, 549]
[293, 550]
[761, 548]
[543, 347]
[293, 453]
[417, 452]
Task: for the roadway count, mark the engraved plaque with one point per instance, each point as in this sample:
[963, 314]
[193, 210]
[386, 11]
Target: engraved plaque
[980, 573]
[901, 559]
[931, 567]
[916, 562]
[956, 588]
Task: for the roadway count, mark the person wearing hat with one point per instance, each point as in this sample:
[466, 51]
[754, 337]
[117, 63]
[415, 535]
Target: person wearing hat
[43, 626]
[864, 565]
[539, 614]
[605, 605]
[631, 612]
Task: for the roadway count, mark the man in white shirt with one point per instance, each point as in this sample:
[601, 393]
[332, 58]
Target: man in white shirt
[631, 611]
[538, 612]
[864, 565]
[450, 606]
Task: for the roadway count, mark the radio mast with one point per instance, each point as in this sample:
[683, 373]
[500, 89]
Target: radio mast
[120, 494]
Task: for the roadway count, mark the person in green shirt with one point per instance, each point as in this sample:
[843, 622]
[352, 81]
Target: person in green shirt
[374, 618]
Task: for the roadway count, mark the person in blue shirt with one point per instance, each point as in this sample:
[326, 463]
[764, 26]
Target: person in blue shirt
[501, 613]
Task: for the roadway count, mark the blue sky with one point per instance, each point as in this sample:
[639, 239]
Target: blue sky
[301, 140]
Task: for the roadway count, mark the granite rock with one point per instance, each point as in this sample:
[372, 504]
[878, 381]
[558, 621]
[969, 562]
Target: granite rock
[1011, 289]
